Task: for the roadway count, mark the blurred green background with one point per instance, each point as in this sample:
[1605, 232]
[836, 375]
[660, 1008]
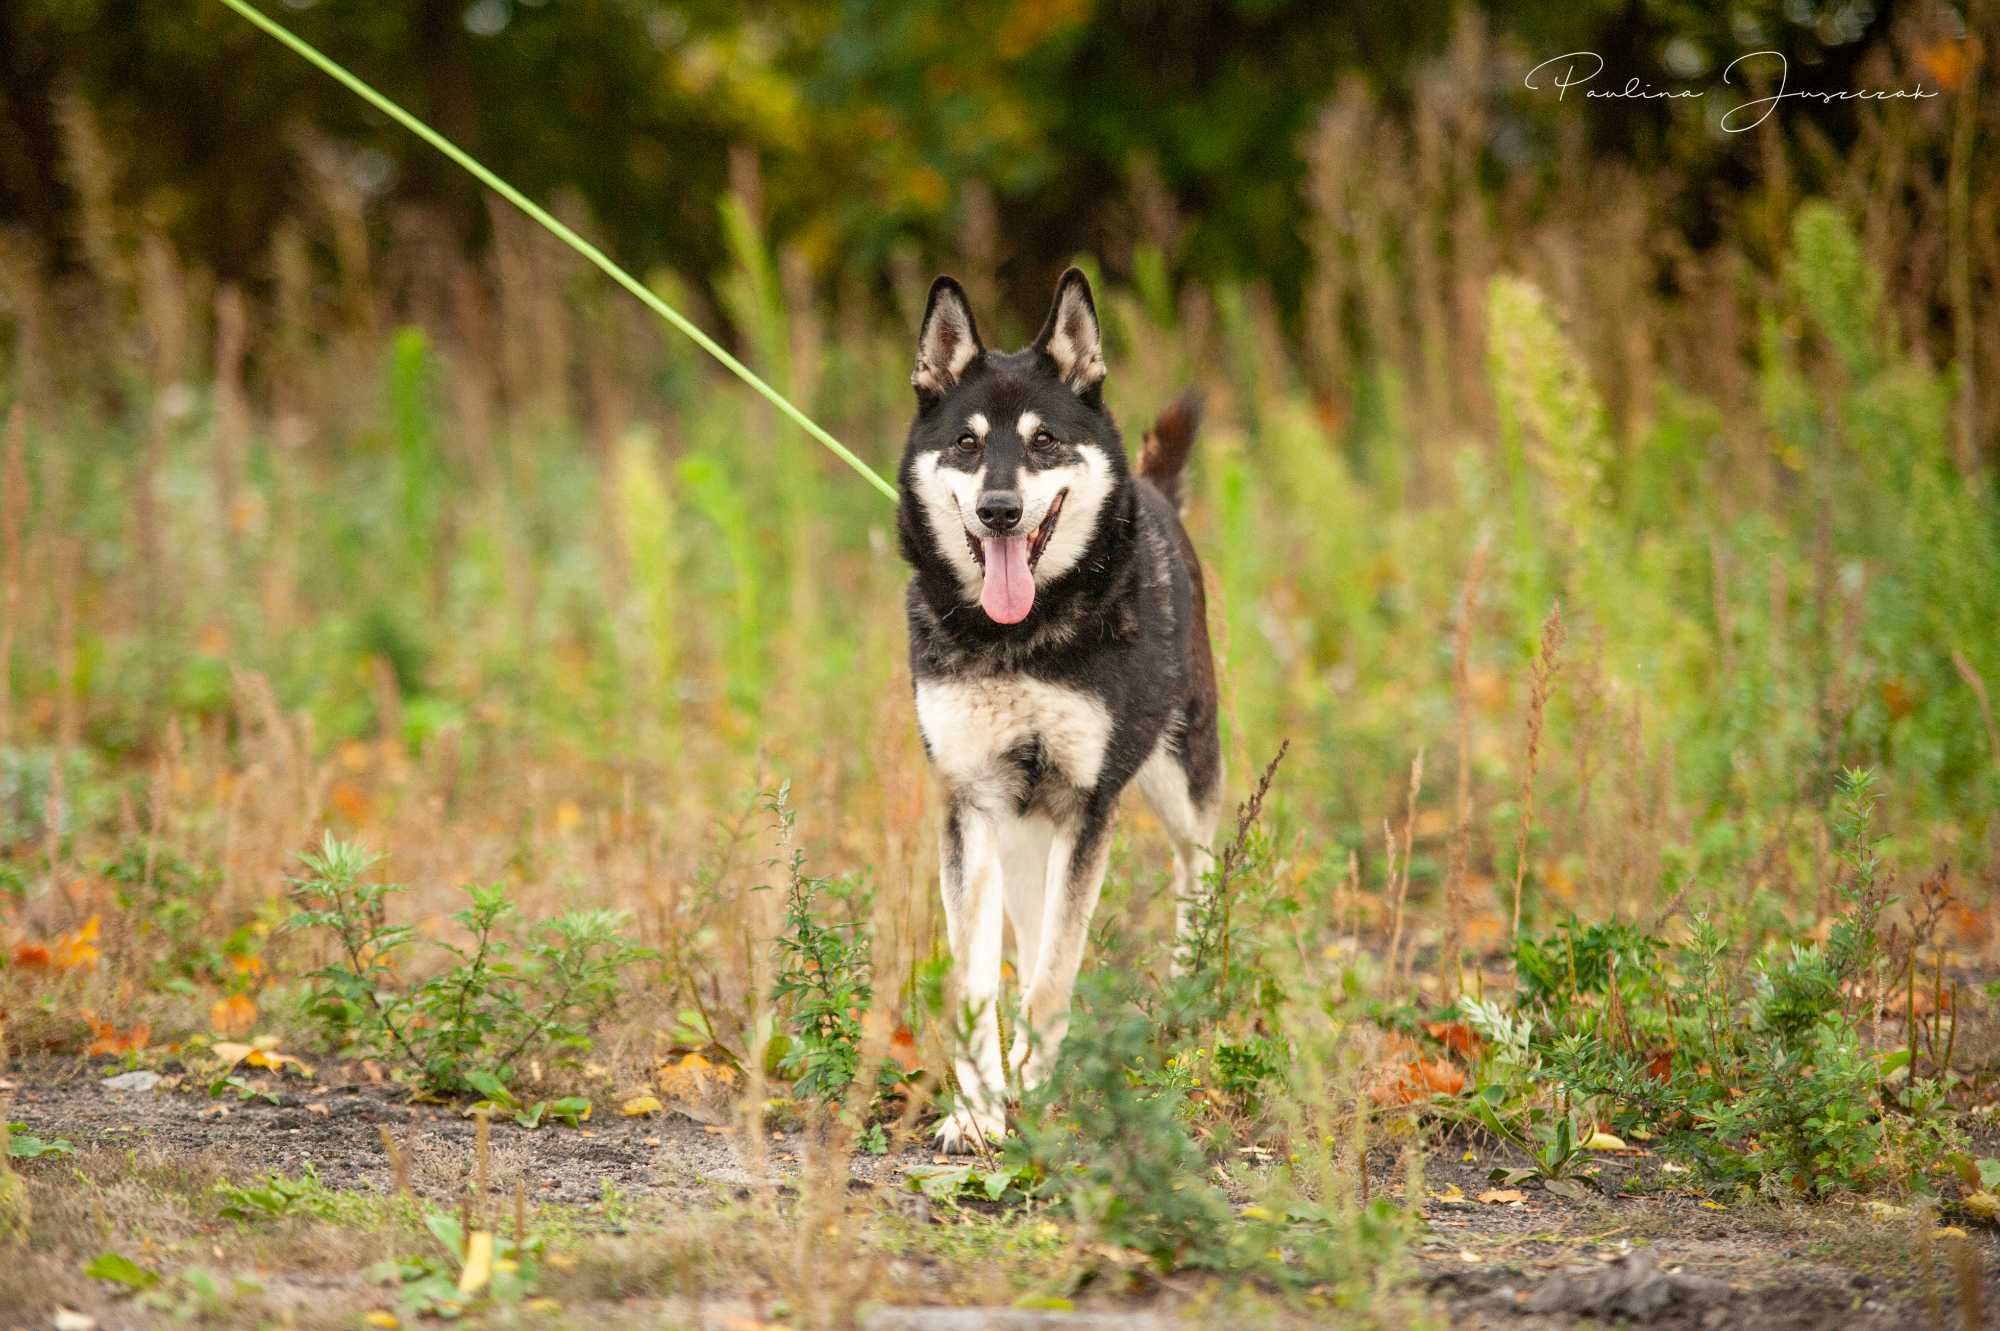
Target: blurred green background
[877, 127]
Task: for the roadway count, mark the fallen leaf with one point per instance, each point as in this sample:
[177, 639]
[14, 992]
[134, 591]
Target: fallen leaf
[1503, 1196]
[263, 1054]
[1449, 1195]
[1949, 1232]
[478, 1268]
[1418, 1079]
[693, 1077]
[1455, 1036]
[641, 1105]
[32, 956]
[383, 1319]
[1983, 1204]
[1604, 1141]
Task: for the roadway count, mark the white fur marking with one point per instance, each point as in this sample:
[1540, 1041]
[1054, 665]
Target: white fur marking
[1027, 425]
[1089, 484]
[947, 495]
[976, 422]
[971, 725]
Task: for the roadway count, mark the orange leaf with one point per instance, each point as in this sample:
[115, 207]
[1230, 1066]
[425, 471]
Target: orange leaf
[234, 1015]
[79, 948]
[1419, 1079]
[903, 1048]
[1455, 1036]
[110, 1040]
[30, 955]
[349, 801]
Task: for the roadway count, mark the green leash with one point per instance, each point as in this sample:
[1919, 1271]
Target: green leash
[564, 234]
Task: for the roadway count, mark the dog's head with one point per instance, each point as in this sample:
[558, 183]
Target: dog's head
[1012, 459]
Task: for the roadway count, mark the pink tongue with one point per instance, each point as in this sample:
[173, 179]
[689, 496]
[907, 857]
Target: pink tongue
[1009, 592]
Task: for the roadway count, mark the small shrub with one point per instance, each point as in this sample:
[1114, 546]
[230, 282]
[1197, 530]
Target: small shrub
[825, 977]
[511, 992]
[1758, 1077]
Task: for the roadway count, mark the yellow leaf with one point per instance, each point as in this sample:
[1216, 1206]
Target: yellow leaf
[1604, 1141]
[229, 1051]
[478, 1262]
[79, 948]
[543, 1304]
[1948, 1232]
[1983, 1204]
[1503, 1196]
[1712, 1206]
[640, 1105]
[568, 814]
[386, 1320]
[1453, 1193]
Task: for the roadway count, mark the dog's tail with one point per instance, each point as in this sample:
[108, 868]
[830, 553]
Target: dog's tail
[1164, 454]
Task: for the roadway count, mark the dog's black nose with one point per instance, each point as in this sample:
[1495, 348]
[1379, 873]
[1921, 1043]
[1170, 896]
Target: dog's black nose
[1000, 510]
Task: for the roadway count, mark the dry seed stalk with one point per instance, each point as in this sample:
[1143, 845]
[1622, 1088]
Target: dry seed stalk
[1461, 832]
[1543, 684]
[399, 1168]
[1231, 861]
[13, 516]
[1399, 882]
[482, 1161]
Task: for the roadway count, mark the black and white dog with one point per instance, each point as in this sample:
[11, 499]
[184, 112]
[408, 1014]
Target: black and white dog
[1059, 647]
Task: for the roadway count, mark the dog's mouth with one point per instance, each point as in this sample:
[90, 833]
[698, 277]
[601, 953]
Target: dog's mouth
[1038, 540]
[1007, 592]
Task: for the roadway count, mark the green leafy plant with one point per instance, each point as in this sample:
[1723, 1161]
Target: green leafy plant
[825, 978]
[508, 993]
[465, 1268]
[568, 1109]
[275, 1197]
[23, 1145]
[1757, 1075]
[115, 1268]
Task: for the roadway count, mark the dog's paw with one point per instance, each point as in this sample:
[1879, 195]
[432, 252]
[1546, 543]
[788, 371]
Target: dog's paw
[963, 1132]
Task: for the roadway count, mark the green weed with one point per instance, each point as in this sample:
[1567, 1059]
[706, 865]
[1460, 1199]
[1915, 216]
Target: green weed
[508, 993]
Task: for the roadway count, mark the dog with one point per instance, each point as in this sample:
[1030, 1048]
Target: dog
[1059, 652]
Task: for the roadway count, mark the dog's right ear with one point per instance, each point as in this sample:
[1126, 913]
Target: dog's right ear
[947, 343]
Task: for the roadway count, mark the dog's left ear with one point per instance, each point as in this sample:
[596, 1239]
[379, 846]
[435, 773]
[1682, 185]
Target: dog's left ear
[1071, 337]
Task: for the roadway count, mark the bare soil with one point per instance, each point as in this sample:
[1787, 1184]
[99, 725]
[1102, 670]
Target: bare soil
[1627, 1251]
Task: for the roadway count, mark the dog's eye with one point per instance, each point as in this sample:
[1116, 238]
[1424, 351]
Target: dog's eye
[968, 442]
[1043, 439]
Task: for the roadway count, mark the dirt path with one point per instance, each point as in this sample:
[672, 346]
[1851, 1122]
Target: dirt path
[1661, 1260]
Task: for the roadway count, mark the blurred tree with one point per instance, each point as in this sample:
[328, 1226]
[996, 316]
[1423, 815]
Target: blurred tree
[869, 120]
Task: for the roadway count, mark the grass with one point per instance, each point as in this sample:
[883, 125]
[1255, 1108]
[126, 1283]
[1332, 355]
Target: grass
[549, 612]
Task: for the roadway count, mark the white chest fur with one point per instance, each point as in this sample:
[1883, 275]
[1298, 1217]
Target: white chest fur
[971, 726]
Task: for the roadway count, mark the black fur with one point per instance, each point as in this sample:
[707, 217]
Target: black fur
[1127, 622]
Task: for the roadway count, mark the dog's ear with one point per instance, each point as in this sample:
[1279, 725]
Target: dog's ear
[1071, 337]
[947, 343]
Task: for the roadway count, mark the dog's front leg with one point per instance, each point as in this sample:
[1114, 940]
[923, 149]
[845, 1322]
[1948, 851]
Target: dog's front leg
[970, 858]
[1077, 858]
